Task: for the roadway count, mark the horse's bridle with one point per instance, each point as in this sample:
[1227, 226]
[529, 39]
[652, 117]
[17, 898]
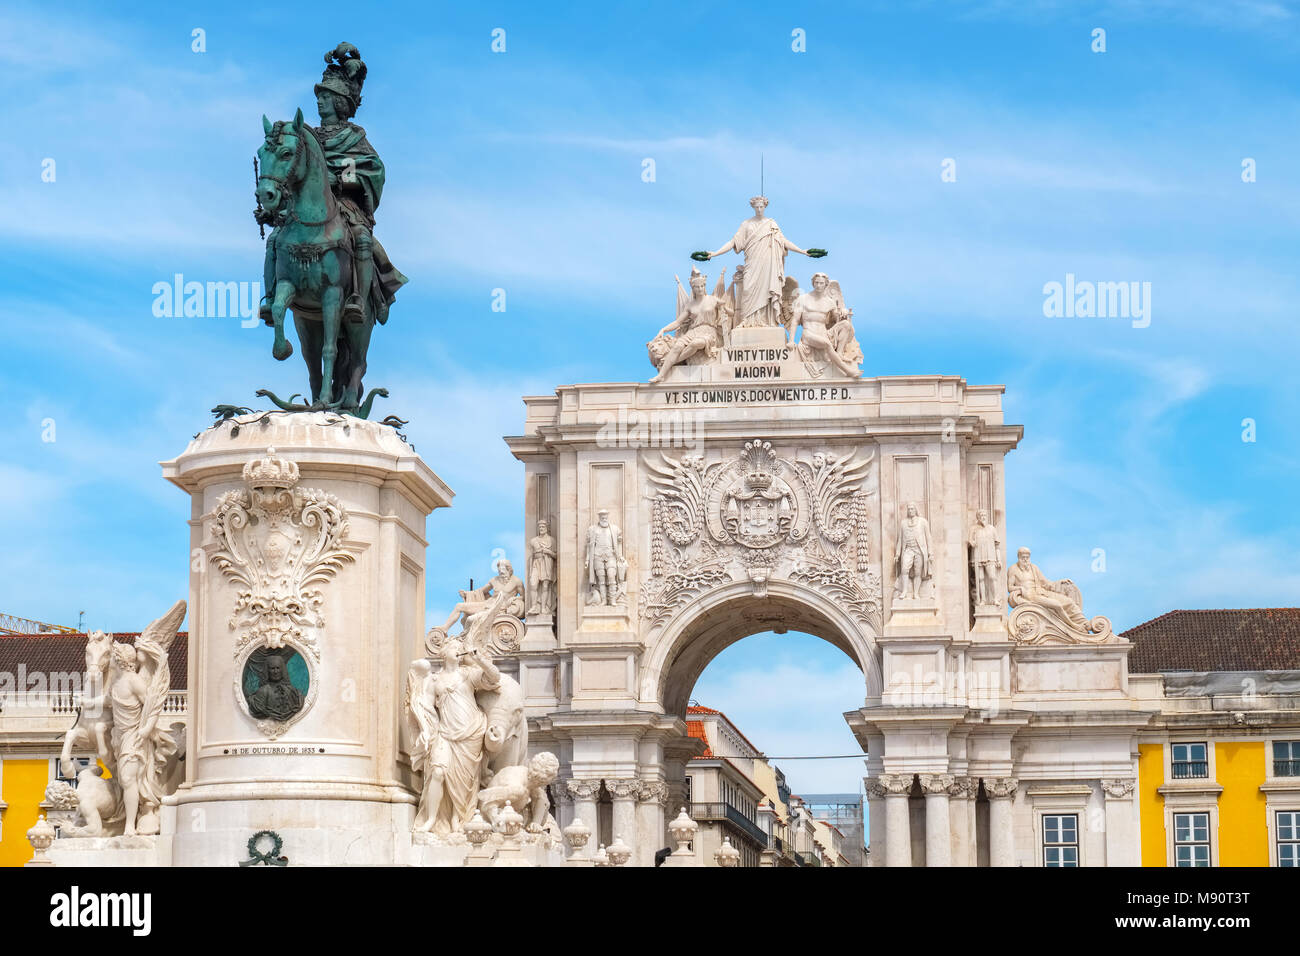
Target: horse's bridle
[284, 182]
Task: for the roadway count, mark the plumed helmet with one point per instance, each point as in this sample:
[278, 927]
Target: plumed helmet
[345, 74]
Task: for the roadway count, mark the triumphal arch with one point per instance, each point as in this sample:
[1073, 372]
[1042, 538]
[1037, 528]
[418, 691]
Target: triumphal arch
[761, 482]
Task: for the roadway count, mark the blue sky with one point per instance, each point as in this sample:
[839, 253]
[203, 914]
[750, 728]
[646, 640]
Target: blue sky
[522, 171]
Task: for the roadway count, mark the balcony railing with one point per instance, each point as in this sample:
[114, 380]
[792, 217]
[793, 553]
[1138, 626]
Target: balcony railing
[1190, 769]
[726, 812]
[68, 703]
[810, 859]
[1286, 768]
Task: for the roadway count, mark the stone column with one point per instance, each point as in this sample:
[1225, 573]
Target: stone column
[625, 793]
[584, 793]
[1122, 846]
[562, 805]
[1002, 844]
[875, 821]
[961, 800]
[898, 827]
[938, 828]
[650, 827]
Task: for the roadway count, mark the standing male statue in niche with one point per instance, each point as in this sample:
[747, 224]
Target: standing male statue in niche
[986, 556]
[912, 554]
[763, 244]
[541, 570]
[604, 562]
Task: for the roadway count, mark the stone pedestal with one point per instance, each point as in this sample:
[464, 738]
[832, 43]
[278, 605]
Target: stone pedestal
[314, 552]
[118, 851]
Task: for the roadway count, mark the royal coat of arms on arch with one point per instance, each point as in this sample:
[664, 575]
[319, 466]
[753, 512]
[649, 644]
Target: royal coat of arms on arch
[761, 515]
[758, 508]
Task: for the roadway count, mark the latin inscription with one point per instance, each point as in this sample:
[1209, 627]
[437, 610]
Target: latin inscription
[743, 396]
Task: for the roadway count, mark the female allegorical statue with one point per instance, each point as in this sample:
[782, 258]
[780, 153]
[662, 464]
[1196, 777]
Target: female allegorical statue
[701, 322]
[452, 728]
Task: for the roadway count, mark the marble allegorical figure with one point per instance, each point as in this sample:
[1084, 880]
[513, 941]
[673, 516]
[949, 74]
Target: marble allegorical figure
[449, 745]
[700, 328]
[827, 325]
[604, 562]
[125, 714]
[764, 246]
[524, 788]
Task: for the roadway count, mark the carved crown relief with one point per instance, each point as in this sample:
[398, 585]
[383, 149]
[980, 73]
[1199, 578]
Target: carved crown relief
[760, 515]
[280, 544]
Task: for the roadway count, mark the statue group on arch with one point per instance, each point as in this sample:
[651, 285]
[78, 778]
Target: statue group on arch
[817, 325]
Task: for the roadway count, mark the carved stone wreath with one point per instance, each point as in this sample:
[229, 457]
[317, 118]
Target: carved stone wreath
[279, 542]
[759, 510]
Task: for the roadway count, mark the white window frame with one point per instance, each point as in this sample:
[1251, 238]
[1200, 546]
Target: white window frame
[1211, 772]
[1268, 757]
[1274, 840]
[1055, 801]
[1044, 846]
[1212, 815]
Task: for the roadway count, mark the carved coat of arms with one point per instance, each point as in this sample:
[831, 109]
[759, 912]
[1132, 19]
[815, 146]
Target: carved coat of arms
[766, 516]
[759, 508]
[280, 543]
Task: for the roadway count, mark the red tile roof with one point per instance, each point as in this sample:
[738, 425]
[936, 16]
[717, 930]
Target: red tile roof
[709, 711]
[1234, 639]
[66, 654]
[695, 728]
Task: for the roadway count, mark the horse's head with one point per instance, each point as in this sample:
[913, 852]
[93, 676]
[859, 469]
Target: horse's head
[98, 648]
[282, 162]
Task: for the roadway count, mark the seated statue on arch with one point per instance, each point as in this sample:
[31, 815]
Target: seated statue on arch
[702, 322]
[480, 599]
[828, 334]
[1045, 611]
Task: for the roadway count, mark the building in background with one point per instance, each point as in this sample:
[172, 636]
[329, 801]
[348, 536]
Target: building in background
[736, 794]
[843, 814]
[1219, 763]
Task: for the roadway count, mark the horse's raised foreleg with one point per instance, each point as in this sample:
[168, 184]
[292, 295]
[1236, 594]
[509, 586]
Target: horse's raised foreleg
[284, 291]
[331, 310]
[68, 769]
